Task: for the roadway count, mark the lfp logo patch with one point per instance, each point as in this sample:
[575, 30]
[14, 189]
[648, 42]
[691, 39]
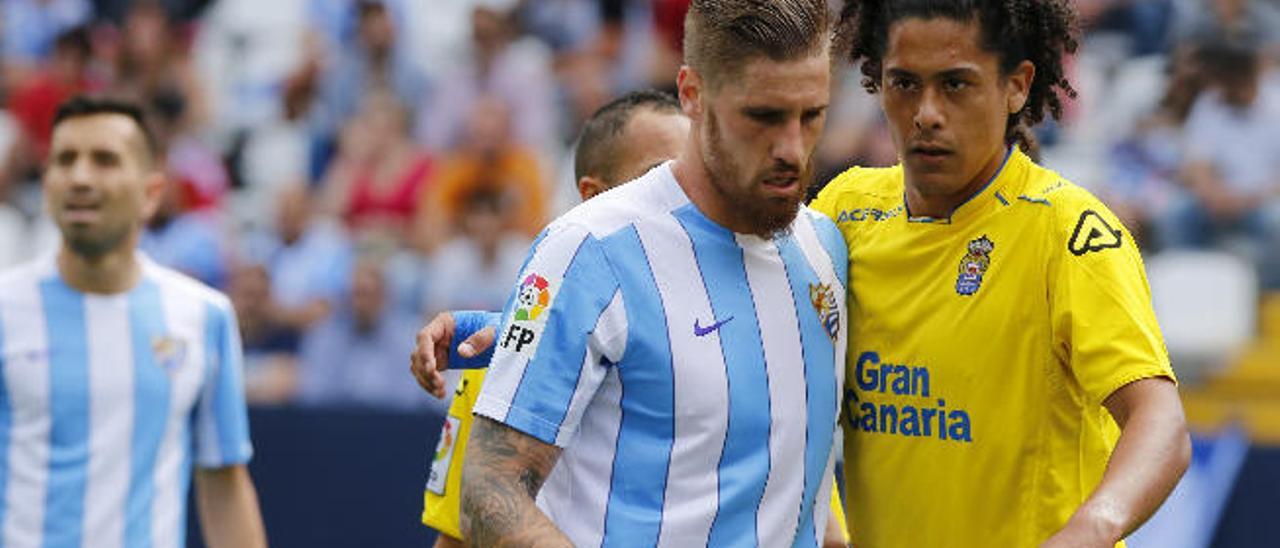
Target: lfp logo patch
[533, 298]
[973, 266]
[824, 302]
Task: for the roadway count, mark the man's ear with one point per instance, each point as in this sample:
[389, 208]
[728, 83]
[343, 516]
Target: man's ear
[153, 189]
[689, 88]
[1020, 85]
[589, 187]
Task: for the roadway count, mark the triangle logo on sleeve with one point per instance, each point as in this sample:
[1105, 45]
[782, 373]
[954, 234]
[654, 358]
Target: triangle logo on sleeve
[1093, 233]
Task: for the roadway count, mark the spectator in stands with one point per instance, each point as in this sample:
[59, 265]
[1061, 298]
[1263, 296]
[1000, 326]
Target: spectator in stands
[376, 61]
[270, 349]
[34, 102]
[1145, 166]
[1239, 22]
[1232, 161]
[472, 270]
[30, 28]
[154, 66]
[355, 358]
[516, 71]
[308, 261]
[185, 240]
[488, 157]
[377, 180]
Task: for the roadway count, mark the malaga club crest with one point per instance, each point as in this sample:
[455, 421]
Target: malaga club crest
[974, 265]
[823, 299]
[169, 352]
[533, 298]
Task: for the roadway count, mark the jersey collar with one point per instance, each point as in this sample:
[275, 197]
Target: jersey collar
[992, 194]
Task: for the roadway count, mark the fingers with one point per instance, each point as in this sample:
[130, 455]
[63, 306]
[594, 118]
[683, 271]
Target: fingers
[427, 359]
[477, 343]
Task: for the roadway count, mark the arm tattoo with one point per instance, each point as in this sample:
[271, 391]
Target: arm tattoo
[503, 472]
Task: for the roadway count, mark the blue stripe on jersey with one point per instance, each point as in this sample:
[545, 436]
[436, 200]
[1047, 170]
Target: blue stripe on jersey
[64, 313]
[228, 389]
[743, 467]
[6, 417]
[833, 242]
[820, 384]
[147, 333]
[642, 458]
[551, 377]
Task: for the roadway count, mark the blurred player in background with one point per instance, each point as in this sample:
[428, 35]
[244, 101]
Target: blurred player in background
[1001, 320]
[621, 141]
[117, 374]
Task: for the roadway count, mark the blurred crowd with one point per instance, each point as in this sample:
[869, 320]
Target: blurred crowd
[346, 168]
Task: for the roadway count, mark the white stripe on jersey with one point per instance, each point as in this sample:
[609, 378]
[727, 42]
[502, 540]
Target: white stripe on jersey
[613, 329]
[25, 338]
[584, 465]
[702, 393]
[174, 461]
[776, 313]
[110, 372]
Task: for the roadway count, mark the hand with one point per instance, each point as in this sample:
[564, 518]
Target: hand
[431, 355]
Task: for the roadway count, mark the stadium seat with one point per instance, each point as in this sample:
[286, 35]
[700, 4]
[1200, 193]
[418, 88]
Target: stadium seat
[1207, 305]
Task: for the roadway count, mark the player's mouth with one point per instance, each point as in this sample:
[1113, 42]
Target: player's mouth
[81, 211]
[781, 184]
[930, 153]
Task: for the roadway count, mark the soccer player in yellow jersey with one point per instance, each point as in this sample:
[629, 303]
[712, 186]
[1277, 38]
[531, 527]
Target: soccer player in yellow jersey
[1007, 384]
[621, 141]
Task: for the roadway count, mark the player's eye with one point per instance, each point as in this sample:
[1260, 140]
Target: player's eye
[955, 85]
[902, 83]
[65, 158]
[766, 116]
[812, 115]
[105, 158]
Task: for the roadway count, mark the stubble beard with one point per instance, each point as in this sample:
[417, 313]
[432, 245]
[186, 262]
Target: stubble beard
[765, 217]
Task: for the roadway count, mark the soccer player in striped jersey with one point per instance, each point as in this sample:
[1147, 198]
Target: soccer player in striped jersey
[117, 375]
[621, 141]
[674, 344]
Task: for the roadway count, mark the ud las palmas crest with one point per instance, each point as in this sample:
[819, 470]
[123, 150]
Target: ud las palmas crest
[823, 299]
[974, 265]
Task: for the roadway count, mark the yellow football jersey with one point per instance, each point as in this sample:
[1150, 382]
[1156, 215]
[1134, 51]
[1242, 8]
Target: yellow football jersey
[442, 499]
[981, 349]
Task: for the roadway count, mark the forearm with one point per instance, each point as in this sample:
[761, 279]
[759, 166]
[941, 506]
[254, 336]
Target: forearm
[1152, 453]
[501, 477]
[228, 507]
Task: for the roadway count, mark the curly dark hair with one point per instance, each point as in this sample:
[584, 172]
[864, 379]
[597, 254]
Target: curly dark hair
[1040, 31]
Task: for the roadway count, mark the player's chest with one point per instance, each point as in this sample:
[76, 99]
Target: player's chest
[97, 359]
[932, 280]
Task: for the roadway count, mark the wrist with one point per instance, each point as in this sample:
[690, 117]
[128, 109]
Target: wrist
[1100, 520]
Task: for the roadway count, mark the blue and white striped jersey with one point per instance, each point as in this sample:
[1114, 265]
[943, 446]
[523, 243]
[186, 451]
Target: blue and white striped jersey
[106, 401]
[690, 374]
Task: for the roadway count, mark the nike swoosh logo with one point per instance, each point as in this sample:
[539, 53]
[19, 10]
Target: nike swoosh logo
[704, 331]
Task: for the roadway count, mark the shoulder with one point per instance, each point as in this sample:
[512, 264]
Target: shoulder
[1076, 219]
[861, 188]
[176, 285]
[652, 194]
[19, 283]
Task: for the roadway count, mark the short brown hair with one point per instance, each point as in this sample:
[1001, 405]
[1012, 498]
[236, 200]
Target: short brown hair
[720, 35]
